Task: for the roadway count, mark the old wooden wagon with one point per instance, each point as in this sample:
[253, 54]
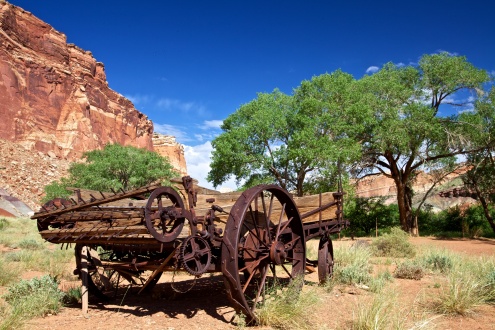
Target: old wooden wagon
[254, 238]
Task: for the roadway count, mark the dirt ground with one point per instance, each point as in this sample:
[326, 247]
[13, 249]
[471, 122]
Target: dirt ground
[205, 306]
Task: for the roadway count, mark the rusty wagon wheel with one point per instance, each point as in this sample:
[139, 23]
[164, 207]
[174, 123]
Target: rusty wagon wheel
[325, 259]
[263, 246]
[163, 214]
[105, 282]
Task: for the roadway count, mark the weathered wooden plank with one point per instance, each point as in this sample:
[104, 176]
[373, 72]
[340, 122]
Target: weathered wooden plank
[107, 199]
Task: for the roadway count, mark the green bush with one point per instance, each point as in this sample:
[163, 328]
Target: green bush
[4, 223]
[352, 265]
[438, 260]
[409, 270]
[366, 214]
[31, 244]
[35, 297]
[396, 244]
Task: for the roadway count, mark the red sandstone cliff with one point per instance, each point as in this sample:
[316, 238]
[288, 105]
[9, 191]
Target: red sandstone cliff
[167, 146]
[54, 96]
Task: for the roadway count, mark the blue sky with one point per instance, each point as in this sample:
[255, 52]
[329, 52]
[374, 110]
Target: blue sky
[189, 64]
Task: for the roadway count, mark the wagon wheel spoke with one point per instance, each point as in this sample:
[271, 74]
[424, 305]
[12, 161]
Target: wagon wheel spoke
[280, 222]
[105, 282]
[261, 249]
[288, 273]
[267, 215]
[255, 219]
[261, 287]
[251, 275]
[257, 237]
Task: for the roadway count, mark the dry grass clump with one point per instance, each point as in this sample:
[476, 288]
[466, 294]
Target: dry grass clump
[468, 284]
[30, 298]
[409, 270]
[289, 307]
[382, 311]
[352, 265]
[396, 245]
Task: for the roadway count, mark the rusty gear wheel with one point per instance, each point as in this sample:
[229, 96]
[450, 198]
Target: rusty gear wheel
[195, 255]
[164, 214]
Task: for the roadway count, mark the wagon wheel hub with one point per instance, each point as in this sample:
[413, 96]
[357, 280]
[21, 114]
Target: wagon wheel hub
[278, 253]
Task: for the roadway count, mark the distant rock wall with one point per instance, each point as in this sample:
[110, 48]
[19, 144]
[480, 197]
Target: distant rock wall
[54, 96]
[167, 146]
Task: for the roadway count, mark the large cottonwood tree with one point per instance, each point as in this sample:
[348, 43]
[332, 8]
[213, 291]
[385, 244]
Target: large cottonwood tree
[394, 122]
[284, 139]
[407, 130]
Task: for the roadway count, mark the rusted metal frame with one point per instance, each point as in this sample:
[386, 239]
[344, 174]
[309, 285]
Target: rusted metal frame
[98, 202]
[159, 269]
[98, 215]
[313, 230]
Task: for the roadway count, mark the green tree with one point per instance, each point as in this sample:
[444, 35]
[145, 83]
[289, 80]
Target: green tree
[367, 214]
[284, 139]
[113, 167]
[481, 174]
[405, 130]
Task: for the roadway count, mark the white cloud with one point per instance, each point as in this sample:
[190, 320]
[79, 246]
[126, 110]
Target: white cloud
[372, 69]
[198, 159]
[445, 51]
[176, 131]
[174, 105]
[139, 99]
[207, 124]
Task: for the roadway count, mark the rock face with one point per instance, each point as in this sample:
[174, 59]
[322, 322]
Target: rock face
[23, 173]
[380, 186]
[54, 96]
[167, 146]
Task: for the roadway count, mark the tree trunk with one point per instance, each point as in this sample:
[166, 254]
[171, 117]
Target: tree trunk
[486, 211]
[404, 200]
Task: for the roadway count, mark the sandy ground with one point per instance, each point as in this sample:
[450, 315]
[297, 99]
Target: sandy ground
[205, 306]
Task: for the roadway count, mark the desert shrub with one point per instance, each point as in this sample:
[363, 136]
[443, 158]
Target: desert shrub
[378, 283]
[30, 244]
[4, 223]
[396, 244]
[438, 260]
[72, 296]
[469, 283]
[409, 270]
[35, 297]
[352, 265]
[289, 307]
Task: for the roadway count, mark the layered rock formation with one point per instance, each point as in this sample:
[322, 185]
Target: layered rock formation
[23, 173]
[54, 96]
[167, 146]
[55, 104]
